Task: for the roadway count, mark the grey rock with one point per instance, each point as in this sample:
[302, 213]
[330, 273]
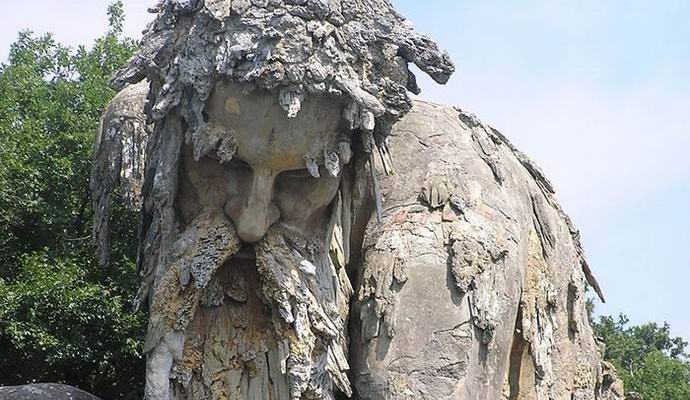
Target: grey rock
[44, 391]
[472, 286]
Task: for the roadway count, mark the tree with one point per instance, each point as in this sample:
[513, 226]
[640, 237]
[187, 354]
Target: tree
[62, 317]
[649, 360]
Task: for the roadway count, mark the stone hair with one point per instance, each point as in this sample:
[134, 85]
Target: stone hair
[356, 50]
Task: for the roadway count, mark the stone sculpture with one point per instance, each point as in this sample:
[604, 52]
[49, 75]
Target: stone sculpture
[308, 231]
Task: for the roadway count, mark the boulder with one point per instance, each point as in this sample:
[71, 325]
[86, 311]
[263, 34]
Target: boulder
[44, 391]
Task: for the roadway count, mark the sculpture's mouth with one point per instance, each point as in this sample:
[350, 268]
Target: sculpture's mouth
[246, 253]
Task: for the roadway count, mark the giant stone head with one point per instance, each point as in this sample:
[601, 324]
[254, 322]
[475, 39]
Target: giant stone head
[265, 115]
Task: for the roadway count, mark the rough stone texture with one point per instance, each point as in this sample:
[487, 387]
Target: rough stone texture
[634, 396]
[44, 391]
[355, 51]
[467, 279]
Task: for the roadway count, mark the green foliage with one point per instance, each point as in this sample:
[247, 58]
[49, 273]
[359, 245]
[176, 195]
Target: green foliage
[61, 326]
[649, 360]
[62, 317]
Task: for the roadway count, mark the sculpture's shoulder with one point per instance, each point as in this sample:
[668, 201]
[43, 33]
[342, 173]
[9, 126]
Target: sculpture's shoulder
[120, 144]
[440, 151]
[438, 138]
[119, 153]
[471, 231]
[445, 156]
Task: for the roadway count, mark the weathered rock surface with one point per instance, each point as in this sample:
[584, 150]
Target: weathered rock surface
[44, 391]
[612, 385]
[353, 52]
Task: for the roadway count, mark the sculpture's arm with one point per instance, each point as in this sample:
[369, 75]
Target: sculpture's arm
[473, 286]
[118, 159]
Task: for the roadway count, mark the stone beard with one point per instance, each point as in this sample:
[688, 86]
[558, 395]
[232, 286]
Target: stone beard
[253, 305]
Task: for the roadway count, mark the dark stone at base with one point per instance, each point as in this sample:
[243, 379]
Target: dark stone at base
[44, 391]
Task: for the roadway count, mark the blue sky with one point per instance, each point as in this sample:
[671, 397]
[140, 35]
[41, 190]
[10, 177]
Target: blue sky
[597, 92]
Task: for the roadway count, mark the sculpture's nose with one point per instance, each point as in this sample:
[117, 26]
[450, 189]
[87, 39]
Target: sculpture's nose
[255, 213]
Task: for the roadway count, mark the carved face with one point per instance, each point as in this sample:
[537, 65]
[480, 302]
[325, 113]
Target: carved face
[277, 171]
[255, 174]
